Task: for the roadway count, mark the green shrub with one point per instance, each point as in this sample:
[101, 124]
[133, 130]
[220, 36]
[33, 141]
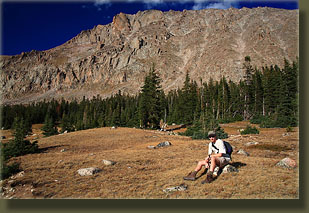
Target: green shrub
[9, 170]
[196, 132]
[289, 129]
[250, 130]
[257, 119]
[220, 133]
[268, 122]
[19, 147]
[230, 119]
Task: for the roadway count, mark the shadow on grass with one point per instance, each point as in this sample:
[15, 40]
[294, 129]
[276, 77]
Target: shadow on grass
[237, 165]
[44, 150]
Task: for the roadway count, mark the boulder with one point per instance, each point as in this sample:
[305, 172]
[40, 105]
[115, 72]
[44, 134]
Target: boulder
[252, 143]
[163, 144]
[287, 163]
[181, 187]
[151, 147]
[229, 169]
[88, 171]
[242, 152]
[109, 162]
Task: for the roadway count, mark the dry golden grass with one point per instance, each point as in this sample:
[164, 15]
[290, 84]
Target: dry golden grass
[141, 172]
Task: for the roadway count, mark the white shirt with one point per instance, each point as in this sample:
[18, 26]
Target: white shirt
[220, 148]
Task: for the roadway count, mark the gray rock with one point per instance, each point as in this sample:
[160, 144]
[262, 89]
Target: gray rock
[287, 163]
[109, 162]
[151, 147]
[163, 144]
[229, 169]
[242, 152]
[252, 143]
[181, 187]
[88, 171]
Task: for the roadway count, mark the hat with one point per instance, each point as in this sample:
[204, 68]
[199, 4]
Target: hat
[211, 134]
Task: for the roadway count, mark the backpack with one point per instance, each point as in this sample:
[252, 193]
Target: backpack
[228, 147]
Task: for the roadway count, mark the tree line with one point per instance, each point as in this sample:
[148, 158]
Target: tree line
[268, 96]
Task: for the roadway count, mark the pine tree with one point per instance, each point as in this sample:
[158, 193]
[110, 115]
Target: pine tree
[188, 101]
[21, 128]
[150, 105]
[287, 109]
[49, 128]
[258, 93]
[248, 89]
[66, 124]
[19, 146]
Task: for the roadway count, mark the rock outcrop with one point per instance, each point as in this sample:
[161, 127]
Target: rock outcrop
[108, 58]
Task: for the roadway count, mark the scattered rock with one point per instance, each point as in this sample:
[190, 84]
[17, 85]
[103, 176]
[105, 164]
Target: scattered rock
[108, 162]
[88, 171]
[252, 143]
[229, 168]
[163, 144]
[18, 175]
[181, 187]
[287, 163]
[242, 152]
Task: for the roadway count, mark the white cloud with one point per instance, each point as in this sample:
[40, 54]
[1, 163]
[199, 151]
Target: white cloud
[197, 4]
[219, 4]
[99, 3]
[148, 3]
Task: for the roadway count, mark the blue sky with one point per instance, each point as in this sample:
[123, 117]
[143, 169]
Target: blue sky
[40, 25]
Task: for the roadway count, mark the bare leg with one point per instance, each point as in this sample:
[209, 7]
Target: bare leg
[200, 164]
[214, 162]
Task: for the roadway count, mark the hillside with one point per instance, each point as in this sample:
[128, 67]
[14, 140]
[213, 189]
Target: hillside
[141, 172]
[206, 43]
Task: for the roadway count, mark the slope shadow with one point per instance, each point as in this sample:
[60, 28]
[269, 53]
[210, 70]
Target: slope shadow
[44, 150]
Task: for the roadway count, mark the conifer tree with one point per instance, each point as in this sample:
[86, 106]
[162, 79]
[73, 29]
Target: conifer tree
[248, 89]
[66, 124]
[150, 105]
[188, 101]
[258, 93]
[21, 128]
[49, 128]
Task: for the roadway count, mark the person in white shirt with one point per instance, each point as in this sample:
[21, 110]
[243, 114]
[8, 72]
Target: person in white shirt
[216, 157]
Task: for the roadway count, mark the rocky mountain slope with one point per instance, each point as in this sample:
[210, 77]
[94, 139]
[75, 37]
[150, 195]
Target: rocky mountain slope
[108, 58]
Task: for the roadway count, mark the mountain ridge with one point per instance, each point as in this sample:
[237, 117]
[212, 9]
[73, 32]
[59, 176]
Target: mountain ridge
[208, 43]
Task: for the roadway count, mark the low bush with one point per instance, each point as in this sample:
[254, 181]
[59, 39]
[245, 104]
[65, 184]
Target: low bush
[289, 129]
[250, 130]
[19, 147]
[9, 170]
[196, 132]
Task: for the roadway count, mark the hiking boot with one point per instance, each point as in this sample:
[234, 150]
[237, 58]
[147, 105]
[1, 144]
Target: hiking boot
[190, 176]
[209, 178]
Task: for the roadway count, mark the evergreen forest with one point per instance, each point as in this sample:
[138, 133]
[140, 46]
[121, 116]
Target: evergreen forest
[267, 96]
